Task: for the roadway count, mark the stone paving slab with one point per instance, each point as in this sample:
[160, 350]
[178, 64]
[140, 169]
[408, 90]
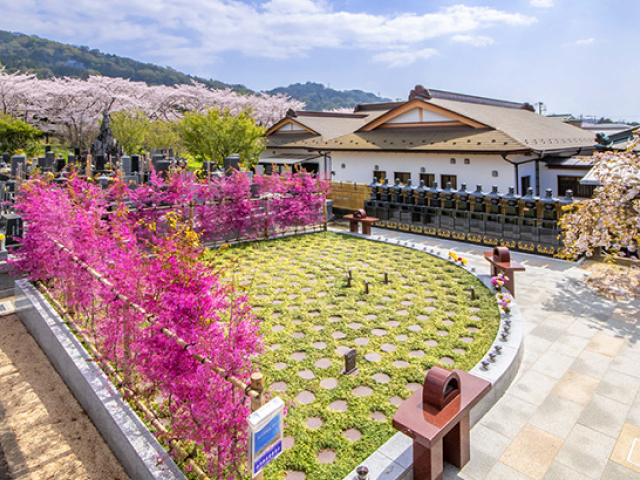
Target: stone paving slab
[577, 393]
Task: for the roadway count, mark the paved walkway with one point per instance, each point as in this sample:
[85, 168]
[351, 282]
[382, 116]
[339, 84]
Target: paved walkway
[573, 411]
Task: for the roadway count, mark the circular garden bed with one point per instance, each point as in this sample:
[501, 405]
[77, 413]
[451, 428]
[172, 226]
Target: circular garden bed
[310, 317]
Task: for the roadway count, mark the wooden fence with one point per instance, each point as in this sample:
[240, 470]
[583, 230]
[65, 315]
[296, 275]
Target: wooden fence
[348, 195]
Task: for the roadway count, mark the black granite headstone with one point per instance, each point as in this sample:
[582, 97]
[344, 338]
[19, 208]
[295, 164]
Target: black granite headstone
[350, 362]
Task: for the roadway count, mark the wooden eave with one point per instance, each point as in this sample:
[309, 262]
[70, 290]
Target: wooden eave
[286, 120]
[457, 119]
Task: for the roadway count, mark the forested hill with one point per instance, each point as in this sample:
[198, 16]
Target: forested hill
[318, 97]
[47, 59]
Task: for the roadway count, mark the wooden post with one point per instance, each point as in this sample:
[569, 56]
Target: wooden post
[266, 220]
[257, 384]
[191, 214]
[324, 209]
[88, 170]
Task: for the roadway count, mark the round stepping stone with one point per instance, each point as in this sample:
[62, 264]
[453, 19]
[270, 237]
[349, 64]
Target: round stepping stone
[387, 347]
[413, 387]
[448, 322]
[305, 397]
[371, 316]
[280, 366]
[338, 406]
[406, 303]
[319, 345]
[261, 296]
[361, 303]
[331, 305]
[381, 378]
[342, 350]
[288, 443]
[352, 434]
[410, 295]
[391, 292]
[309, 300]
[338, 335]
[306, 375]
[429, 309]
[355, 326]
[466, 339]
[276, 315]
[295, 284]
[279, 386]
[328, 383]
[474, 309]
[276, 278]
[321, 294]
[422, 318]
[472, 329]
[451, 314]
[294, 475]
[297, 335]
[292, 295]
[416, 353]
[274, 346]
[442, 333]
[378, 416]
[322, 363]
[362, 391]
[400, 364]
[459, 351]
[475, 317]
[277, 302]
[326, 456]
[378, 332]
[372, 357]
[378, 307]
[264, 285]
[335, 319]
[430, 300]
[395, 401]
[293, 307]
[447, 360]
[305, 289]
[415, 328]
[298, 356]
[361, 341]
[313, 314]
[402, 337]
[386, 299]
[317, 328]
[402, 312]
[278, 290]
[296, 322]
[393, 323]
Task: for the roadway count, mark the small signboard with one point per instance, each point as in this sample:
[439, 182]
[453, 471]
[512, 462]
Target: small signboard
[265, 435]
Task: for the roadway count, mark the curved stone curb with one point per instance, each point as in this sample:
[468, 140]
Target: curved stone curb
[141, 455]
[394, 459]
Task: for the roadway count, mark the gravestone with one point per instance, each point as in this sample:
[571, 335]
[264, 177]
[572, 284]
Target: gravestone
[13, 229]
[232, 162]
[125, 165]
[350, 362]
[135, 163]
[105, 143]
[18, 165]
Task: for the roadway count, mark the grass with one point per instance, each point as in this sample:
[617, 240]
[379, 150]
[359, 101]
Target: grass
[298, 287]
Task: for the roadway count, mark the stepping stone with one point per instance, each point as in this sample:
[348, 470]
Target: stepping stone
[378, 332]
[472, 329]
[278, 290]
[306, 374]
[387, 347]
[277, 302]
[326, 456]
[288, 443]
[451, 313]
[323, 363]
[430, 300]
[276, 315]
[474, 317]
[459, 351]
[275, 346]
[379, 307]
[474, 309]
[381, 378]
[262, 297]
[416, 353]
[295, 284]
[362, 391]
[371, 316]
[447, 360]
[317, 328]
[335, 319]
[378, 416]
[422, 318]
[386, 299]
[361, 303]
[400, 364]
[279, 386]
[292, 295]
[297, 335]
[276, 278]
[406, 303]
[402, 312]
[448, 322]
[395, 401]
[415, 328]
[391, 292]
[393, 323]
[319, 345]
[342, 350]
[361, 341]
[329, 383]
[280, 366]
[352, 434]
[372, 357]
[293, 307]
[296, 322]
[338, 335]
[294, 475]
[306, 289]
[402, 337]
[314, 313]
[298, 356]
[442, 333]
[321, 294]
[355, 326]
[309, 300]
[413, 387]
[410, 295]
[331, 305]
[305, 397]
[429, 309]
[262, 285]
[466, 339]
[338, 406]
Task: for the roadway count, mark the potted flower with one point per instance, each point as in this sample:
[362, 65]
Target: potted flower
[504, 300]
[498, 282]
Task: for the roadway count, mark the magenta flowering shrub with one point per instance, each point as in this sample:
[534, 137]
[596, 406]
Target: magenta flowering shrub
[144, 244]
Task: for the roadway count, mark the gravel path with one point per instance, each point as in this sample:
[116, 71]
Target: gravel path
[44, 433]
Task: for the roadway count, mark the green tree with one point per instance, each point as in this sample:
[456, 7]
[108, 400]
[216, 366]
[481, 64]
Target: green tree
[17, 135]
[164, 134]
[130, 127]
[216, 135]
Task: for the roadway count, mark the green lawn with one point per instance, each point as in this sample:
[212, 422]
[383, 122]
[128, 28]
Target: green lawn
[423, 317]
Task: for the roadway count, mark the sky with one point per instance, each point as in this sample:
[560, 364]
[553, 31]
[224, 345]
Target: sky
[574, 56]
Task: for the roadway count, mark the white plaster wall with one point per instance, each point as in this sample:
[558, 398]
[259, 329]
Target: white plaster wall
[270, 152]
[549, 178]
[359, 168]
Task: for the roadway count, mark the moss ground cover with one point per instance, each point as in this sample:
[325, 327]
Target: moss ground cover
[422, 317]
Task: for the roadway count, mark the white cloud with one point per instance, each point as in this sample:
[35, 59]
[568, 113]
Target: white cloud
[474, 40]
[585, 41]
[542, 3]
[189, 33]
[403, 58]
